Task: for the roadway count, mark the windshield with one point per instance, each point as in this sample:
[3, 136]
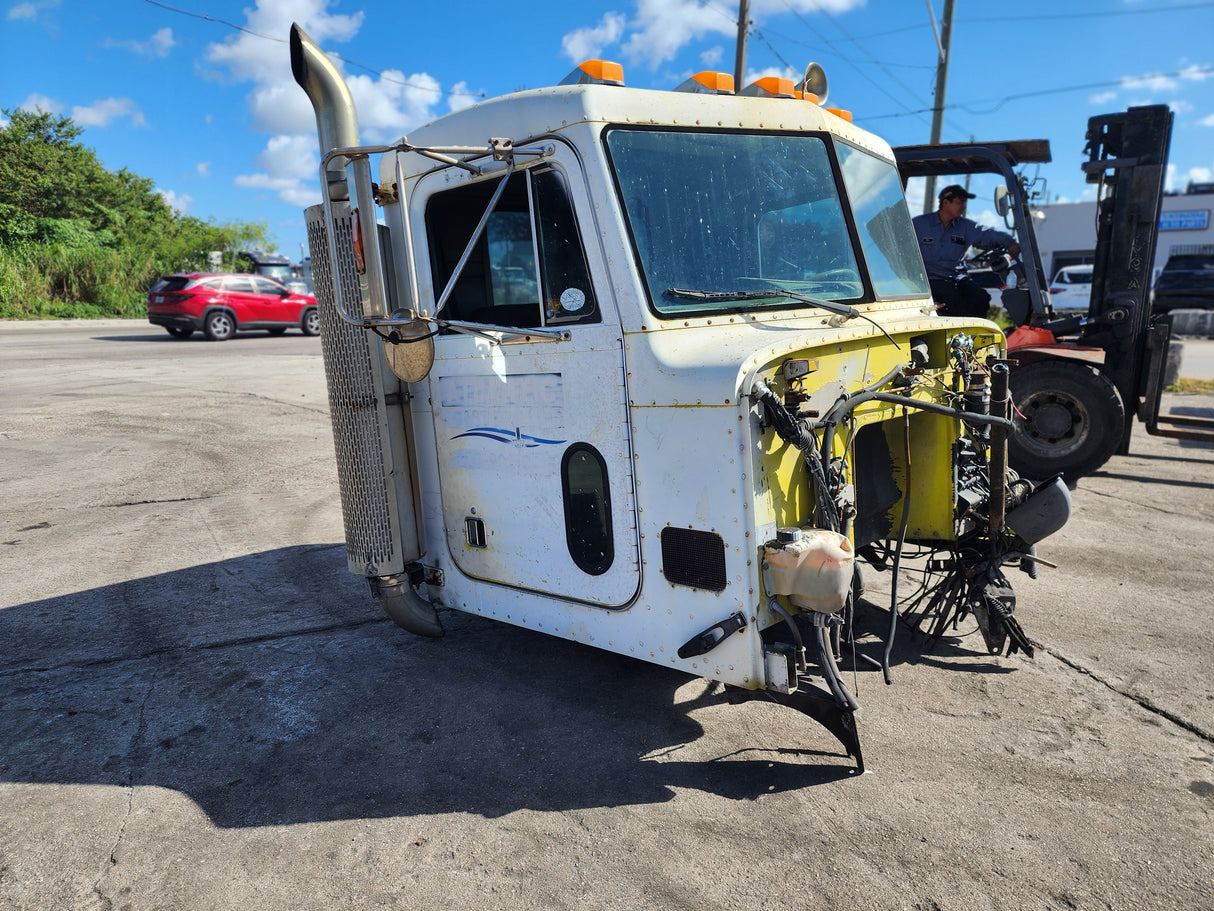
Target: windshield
[883, 222]
[734, 212]
[282, 273]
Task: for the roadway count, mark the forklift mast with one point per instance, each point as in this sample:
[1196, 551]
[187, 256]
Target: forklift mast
[1127, 158]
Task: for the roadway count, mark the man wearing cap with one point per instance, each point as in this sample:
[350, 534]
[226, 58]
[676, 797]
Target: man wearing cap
[944, 236]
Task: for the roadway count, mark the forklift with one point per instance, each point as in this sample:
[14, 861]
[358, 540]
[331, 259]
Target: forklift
[1079, 381]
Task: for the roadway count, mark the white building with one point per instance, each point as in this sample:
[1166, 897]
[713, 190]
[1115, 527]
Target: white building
[1067, 232]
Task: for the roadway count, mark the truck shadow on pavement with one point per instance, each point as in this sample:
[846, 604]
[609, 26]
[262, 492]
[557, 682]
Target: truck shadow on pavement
[269, 690]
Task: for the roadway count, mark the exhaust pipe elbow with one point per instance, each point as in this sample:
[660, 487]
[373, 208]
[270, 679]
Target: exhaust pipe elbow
[404, 606]
[336, 119]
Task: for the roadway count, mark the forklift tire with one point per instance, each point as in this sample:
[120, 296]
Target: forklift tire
[1069, 419]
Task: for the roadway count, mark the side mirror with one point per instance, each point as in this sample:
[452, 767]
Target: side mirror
[1003, 205]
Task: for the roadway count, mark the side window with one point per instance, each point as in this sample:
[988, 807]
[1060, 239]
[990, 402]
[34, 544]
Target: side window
[512, 261]
[498, 283]
[265, 286]
[502, 283]
[241, 284]
[587, 509]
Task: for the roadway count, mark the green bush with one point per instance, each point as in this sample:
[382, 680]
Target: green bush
[79, 241]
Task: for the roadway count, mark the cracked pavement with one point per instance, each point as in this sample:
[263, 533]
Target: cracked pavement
[200, 707]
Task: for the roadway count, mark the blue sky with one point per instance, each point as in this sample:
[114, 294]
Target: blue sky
[198, 94]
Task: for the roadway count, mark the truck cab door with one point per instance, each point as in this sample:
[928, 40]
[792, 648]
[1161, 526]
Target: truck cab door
[532, 434]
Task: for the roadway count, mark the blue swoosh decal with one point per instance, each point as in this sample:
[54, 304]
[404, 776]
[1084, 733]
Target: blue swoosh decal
[502, 435]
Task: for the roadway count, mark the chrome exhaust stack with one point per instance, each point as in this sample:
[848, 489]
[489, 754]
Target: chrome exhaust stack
[382, 530]
[336, 118]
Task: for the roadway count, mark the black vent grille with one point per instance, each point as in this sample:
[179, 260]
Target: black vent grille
[695, 558]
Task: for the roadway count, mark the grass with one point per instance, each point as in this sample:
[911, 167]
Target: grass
[57, 281]
[1193, 387]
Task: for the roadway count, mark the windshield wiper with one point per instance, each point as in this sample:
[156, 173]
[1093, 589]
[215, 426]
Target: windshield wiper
[769, 293]
[765, 294]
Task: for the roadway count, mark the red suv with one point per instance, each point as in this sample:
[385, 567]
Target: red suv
[220, 304]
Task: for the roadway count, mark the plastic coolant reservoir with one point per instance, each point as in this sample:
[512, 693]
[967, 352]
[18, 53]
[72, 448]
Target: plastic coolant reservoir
[812, 566]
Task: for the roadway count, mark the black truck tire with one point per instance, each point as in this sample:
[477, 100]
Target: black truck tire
[1069, 419]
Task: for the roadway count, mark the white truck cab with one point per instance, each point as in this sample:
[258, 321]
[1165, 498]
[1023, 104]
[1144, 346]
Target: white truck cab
[648, 371]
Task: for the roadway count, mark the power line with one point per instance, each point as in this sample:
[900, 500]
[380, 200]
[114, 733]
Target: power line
[1103, 14]
[354, 63]
[880, 65]
[759, 34]
[1096, 15]
[970, 107]
[817, 47]
[852, 64]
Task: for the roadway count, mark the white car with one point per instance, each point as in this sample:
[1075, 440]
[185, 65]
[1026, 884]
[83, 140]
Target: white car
[1071, 289]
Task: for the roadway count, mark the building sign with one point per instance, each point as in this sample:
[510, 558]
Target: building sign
[1192, 220]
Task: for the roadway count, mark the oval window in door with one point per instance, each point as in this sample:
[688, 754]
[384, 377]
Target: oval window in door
[587, 509]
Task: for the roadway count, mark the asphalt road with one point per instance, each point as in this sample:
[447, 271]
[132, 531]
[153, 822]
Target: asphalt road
[200, 708]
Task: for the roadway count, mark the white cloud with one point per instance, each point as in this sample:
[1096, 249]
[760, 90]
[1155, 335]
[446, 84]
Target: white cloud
[1180, 106]
[1102, 97]
[1197, 73]
[291, 156]
[102, 113]
[158, 45]
[712, 57]
[588, 43]
[245, 57]
[281, 107]
[1207, 121]
[662, 28]
[388, 104]
[756, 75]
[916, 188]
[30, 10]
[1152, 82]
[289, 167]
[36, 102]
[289, 190]
[180, 202]
[203, 169]
[460, 97]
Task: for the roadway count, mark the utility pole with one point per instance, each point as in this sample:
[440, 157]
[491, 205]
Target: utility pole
[946, 32]
[739, 60]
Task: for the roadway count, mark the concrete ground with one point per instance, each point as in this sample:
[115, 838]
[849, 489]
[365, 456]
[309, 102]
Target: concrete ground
[200, 708]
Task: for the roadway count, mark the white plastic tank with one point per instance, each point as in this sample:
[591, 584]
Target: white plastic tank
[812, 566]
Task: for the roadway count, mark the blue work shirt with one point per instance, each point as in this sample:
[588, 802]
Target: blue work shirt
[943, 246]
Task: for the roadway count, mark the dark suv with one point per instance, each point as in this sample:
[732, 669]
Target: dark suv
[1187, 281]
[221, 304]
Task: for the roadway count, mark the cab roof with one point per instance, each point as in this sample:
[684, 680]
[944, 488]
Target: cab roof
[535, 113]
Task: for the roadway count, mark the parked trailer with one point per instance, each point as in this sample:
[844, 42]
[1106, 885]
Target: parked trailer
[648, 371]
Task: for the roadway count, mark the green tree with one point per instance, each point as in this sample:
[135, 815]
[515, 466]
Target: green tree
[79, 240]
